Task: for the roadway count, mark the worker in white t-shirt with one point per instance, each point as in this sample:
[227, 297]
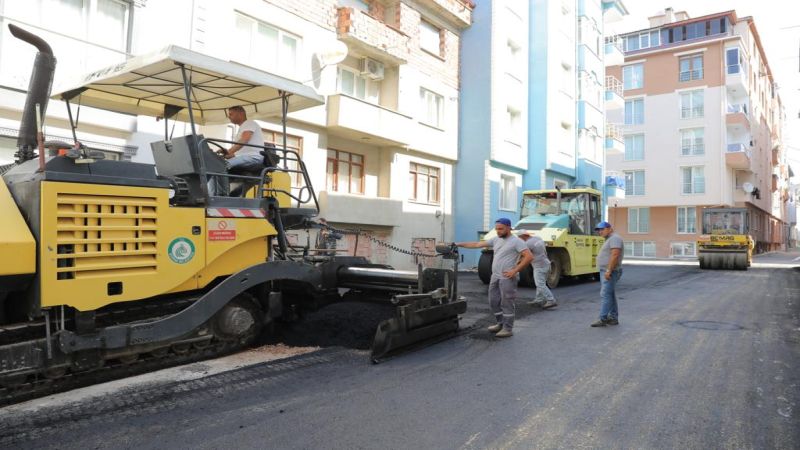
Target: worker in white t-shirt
[241, 155]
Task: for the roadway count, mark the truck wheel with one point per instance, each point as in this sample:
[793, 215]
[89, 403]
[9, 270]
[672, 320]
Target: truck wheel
[526, 277]
[555, 270]
[485, 267]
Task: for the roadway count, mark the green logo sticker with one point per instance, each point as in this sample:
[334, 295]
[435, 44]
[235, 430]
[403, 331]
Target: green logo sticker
[181, 250]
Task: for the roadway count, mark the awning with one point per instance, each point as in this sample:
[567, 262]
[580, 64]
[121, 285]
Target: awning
[145, 85]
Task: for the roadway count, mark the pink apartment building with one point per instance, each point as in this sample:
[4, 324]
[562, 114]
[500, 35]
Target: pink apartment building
[702, 127]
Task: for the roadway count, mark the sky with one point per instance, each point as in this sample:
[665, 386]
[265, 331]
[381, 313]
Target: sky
[778, 24]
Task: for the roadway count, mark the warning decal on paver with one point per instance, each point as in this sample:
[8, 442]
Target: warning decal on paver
[221, 230]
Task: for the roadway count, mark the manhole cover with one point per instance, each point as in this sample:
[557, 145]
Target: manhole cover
[710, 325]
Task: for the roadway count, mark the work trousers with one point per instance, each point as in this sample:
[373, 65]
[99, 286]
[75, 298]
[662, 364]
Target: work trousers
[502, 293]
[543, 293]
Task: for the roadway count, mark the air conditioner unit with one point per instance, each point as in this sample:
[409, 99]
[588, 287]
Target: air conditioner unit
[372, 69]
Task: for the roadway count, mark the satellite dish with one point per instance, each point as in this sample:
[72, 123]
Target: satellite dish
[334, 53]
[748, 187]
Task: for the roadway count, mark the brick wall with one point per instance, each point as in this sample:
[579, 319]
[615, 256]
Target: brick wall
[320, 12]
[446, 68]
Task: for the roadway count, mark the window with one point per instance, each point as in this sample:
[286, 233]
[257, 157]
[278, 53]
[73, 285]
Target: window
[8, 146]
[424, 183]
[687, 220]
[432, 108]
[691, 68]
[692, 104]
[345, 172]
[638, 220]
[733, 60]
[634, 147]
[633, 76]
[679, 249]
[430, 38]
[692, 142]
[641, 249]
[99, 21]
[265, 47]
[634, 182]
[634, 111]
[694, 182]
[355, 85]
[643, 40]
[293, 143]
[508, 192]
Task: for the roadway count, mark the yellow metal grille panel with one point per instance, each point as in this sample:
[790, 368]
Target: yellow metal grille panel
[105, 235]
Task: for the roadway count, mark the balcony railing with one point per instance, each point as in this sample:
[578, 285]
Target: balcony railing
[614, 131]
[739, 147]
[737, 108]
[691, 112]
[613, 85]
[689, 75]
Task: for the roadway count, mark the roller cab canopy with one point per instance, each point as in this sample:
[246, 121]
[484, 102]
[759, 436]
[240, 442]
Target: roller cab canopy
[153, 85]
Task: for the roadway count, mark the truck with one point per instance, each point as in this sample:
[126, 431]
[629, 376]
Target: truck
[565, 220]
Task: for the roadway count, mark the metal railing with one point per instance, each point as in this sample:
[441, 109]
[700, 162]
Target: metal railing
[614, 131]
[286, 161]
[738, 147]
[737, 108]
[614, 85]
[689, 75]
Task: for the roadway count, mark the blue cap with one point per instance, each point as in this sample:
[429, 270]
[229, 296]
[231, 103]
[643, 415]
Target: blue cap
[504, 221]
[602, 225]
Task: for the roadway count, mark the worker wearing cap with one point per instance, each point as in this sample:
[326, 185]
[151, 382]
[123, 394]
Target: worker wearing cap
[510, 257]
[541, 270]
[609, 263]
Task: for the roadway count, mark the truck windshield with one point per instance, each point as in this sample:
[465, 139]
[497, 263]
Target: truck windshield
[547, 203]
[724, 222]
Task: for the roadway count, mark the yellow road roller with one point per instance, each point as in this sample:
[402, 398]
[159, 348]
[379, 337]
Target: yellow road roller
[725, 243]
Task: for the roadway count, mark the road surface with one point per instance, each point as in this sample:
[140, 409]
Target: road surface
[701, 359]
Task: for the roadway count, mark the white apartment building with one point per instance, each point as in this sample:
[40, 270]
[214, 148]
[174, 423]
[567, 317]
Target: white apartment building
[380, 152]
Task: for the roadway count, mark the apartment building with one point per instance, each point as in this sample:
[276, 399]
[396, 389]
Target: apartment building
[493, 142]
[380, 152]
[702, 127]
[532, 105]
[568, 98]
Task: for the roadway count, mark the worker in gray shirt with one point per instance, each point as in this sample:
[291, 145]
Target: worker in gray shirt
[510, 257]
[609, 263]
[541, 270]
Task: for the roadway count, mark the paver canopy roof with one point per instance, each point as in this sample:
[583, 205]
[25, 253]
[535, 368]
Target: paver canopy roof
[145, 85]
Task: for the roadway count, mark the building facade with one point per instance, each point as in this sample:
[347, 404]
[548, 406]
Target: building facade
[702, 127]
[493, 140]
[380, 152]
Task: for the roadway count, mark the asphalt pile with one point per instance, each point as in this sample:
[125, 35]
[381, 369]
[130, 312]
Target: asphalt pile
[349, 324]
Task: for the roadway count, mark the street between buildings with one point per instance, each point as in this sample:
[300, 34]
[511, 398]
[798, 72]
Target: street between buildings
[701, 359]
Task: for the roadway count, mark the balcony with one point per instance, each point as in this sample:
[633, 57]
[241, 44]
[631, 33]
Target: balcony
[368, 36]
[615, 185]
[736, 117]
[613, 11]
[736, 80]
[356, 119]
[615, 142]
[614, 98]
[738, 157]
[458, 12]
[613, 50]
